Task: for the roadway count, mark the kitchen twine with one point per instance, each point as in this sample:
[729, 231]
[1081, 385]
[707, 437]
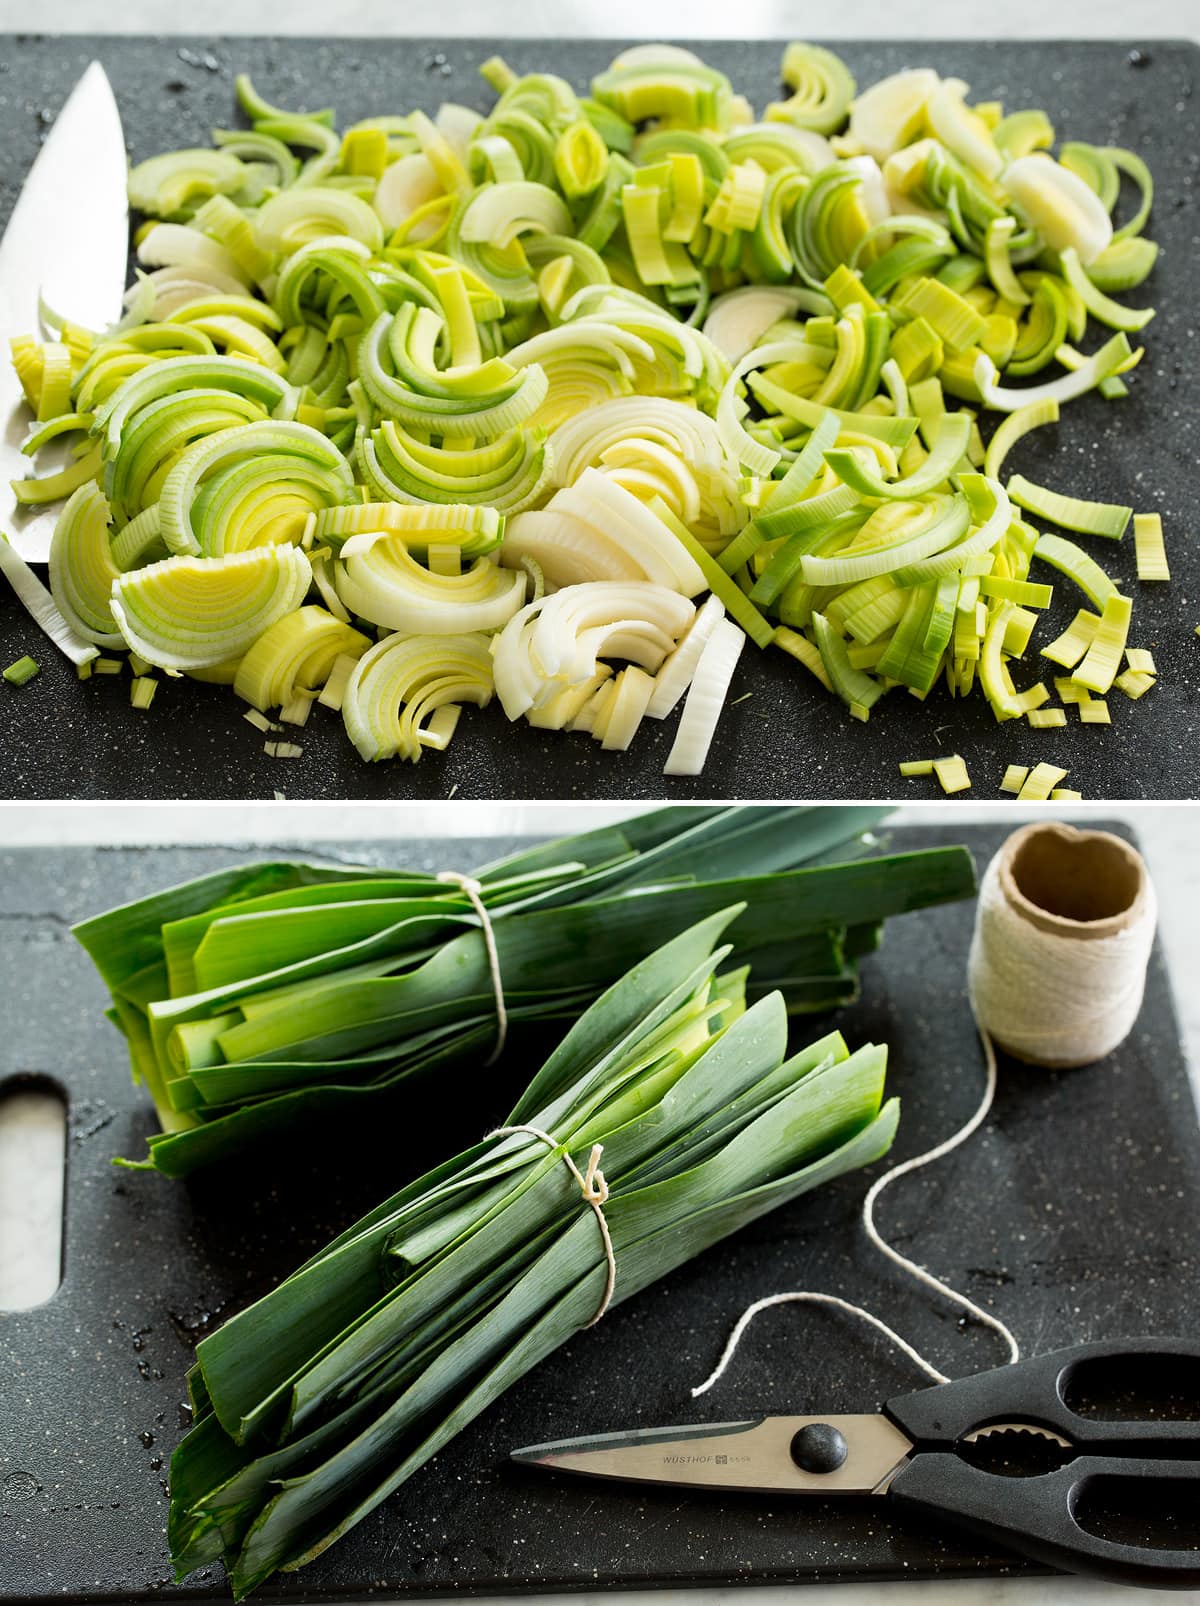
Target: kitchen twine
[592, 1185]
[474, 892]
[594, 1189]
[1049, 989]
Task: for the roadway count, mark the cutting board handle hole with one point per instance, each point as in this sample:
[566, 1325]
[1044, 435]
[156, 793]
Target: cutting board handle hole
[33, 1154]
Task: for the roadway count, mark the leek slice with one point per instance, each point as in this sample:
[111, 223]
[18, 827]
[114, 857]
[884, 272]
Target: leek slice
[377, 579]
[705, 699]
[82, 569]
[1102, 661]
[953, 432]
[822, 89]
[296, 654]
[1151, 549]
[1109, 360]
[42, 608]
[1101, 307]
[197, 613]
[1070, 512]
[1075, 563]
[399, 685]
[1011, 429]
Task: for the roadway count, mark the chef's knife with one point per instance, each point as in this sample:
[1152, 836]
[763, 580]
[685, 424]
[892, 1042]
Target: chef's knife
[68, 237]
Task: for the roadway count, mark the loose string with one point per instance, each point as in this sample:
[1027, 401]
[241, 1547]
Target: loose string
[594, 1189]
[910, 1266]
[474, 892]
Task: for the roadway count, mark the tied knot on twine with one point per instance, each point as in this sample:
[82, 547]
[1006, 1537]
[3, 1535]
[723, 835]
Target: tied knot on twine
[473, 891]
[593, 1189]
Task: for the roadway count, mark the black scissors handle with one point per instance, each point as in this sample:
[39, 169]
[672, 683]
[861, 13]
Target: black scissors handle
[1131, 1410]
[1121, 1396]
[1039, 1516]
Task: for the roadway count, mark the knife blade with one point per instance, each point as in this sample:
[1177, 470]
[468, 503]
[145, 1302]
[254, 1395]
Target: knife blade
[68, 237]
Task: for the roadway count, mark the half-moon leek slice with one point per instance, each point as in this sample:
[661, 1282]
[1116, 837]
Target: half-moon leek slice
[400, 684]
[82, 569]
[377, 579]
[474, 530]
[197, 613]
[248, 486]
[296, 654]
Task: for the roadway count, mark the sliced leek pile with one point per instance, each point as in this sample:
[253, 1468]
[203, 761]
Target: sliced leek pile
[439, 410]
[271, 994]
[318, 1402]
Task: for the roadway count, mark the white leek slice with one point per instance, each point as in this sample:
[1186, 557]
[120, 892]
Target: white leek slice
[1064, 210]
[82, 569]
[406, 186]
[888, 115]
[675, 675]
[577, 608]
[1111, 357]
[498, 213]
[385, 584]
[598, 500]
[628, 708]
[397, 687]
[41, 606]
[174, 245]
[739, 319]
[567, 550]
[961, 130]
[198, 613]
[705, 699]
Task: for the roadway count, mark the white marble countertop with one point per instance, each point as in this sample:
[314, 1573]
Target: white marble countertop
[617, 19]
[1170, 837]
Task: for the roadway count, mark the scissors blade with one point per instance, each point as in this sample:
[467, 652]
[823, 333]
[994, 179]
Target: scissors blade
[750, 1456]
[69, 238]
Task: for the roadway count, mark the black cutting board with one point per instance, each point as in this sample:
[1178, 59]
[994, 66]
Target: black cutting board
[1075, 1215]
[788, 738]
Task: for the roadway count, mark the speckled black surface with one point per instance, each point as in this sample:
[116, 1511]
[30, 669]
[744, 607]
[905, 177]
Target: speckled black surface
[1075, 1215]
[62, 739]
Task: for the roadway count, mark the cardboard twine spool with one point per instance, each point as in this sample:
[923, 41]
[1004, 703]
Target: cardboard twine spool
[1063, 933]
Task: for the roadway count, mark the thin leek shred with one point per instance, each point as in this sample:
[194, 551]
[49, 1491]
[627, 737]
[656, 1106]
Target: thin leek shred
[636, 338]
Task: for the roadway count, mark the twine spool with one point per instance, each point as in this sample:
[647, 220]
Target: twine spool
[1063, 932]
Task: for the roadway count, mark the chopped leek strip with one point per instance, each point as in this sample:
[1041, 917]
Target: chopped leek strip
[260, 721]
[1039, 783]
[1014, 777]
[1094, 712]
[1012, 428]
[1103, 658]
[142, 690]
[1101, 307]
[1065, 794]
[282, 750]
[803, 651]
[1025, 592]
[108, 666]
[42, 608]
[705, 699]
[1046, 718]
[1075, 563]
[916, 766]
[952, 774]
[1075, 640]
[1141, 660]
[1150, 548]
[1069, 512]
[1134, 683]
[21, 672]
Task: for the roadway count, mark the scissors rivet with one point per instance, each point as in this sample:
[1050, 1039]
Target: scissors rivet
[819, 1447]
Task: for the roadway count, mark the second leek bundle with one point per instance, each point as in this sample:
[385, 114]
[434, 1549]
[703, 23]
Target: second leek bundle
[269, 994]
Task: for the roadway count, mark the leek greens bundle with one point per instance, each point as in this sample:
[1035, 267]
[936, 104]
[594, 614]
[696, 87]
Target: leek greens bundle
[270, 994]
[315, 1404]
